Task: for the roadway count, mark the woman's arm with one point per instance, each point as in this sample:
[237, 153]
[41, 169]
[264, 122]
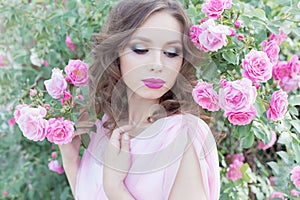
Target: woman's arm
[188, 182]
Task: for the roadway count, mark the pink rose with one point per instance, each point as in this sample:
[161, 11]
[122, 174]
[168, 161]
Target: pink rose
[272, 180]
[60, 131]
[263, 146]
[294, 193]
[66, 97]
[57, 84]
[278, 105]
[280, 70]
[32, 92]
[298, 5]
[11, 121]
[238, 24]
[69, 43]
[272, 50]
[241, 117]
[290, 83]
[206, 96]
[278, 195]
[278, 38]
[54, 165]
[32, 123]
[214, 8]
[5, 193]
[231, 158]
[77, 72]
[237, 96]
[257, 66]
[234, 173]
[295, 176]
[294, 65]
[45, 63]
[53, 154]
[17, 112]
[209, 37]
[240, 36]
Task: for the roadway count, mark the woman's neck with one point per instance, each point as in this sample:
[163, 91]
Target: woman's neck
[139, 109]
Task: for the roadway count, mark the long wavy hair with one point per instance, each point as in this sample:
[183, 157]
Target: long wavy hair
[105, 75]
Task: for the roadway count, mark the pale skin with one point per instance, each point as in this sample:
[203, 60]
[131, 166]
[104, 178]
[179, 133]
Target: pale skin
[156, 60]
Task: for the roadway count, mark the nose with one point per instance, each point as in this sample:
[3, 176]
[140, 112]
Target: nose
[156, 63]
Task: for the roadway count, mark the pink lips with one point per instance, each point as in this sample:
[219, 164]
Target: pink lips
[154, 83]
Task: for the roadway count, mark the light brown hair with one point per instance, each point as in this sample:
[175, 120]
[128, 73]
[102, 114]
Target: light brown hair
[105, 72]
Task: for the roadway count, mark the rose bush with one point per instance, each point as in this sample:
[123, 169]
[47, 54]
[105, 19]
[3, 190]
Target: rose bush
[248, 83]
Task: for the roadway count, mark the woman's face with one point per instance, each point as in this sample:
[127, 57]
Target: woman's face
[153, 57]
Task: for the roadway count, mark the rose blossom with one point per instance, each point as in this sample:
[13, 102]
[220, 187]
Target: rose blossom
[5, 193]
[32, 123]
[263, 146]
[60, 131]
[278, 105]
[53, 154]
[45, 63]
[17, 112]
[231, 158]
[294, 193]
[280, 70]
[54, 165]
[209, 37]
[214, 8]
[206, 96]
[69, 43]
[241, 117]
[32, 92]
[238, 23]
[234, 173]
[257, 66]
[294, 65]
[11, 121]
[272, 180]
[237, 95]
[278, 38]
[272, 50]
[77, 72]
[278, 195]
[290, 83]
[240, 36]
[298, 5]
[295, 176]
[57, 84]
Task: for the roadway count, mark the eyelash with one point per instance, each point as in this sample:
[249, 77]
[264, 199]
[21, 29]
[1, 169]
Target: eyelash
[144, 51]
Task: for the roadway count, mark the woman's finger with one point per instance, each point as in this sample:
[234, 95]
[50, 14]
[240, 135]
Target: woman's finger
[125, 144]
[116, 135]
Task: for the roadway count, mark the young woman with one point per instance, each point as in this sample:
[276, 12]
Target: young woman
[150, 143]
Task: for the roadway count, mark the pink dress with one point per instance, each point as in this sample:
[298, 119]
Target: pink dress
[156, 155]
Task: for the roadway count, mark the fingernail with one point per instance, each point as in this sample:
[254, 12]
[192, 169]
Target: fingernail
[125, 136]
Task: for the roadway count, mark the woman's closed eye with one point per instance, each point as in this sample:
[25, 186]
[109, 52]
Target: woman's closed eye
[172, 53]
[139, 50]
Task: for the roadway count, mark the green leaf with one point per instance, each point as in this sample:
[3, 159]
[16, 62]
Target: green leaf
[244, 170]
[294, 100]
[247, 142]
[296, 125]
[273, 29]
[275, 167]
[284, 138]
[296, 150]
[260, 36]
[230, 57]
[259, 13]
[284, 156]
[293, 111]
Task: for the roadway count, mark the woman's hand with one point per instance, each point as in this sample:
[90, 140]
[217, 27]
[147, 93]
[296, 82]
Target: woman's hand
[116, 160]
[70, 151]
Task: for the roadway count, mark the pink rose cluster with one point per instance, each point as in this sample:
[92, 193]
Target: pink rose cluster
[76, 74]
[34, 126]
[210, 37]
[54, 166]
[237, 99]
[236, 162]
[214, 8]
[278, 105]
[287, 73]
[206, 96]
[295, 176]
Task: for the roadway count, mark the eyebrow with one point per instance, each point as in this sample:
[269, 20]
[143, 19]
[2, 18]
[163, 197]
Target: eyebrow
[149, 41]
